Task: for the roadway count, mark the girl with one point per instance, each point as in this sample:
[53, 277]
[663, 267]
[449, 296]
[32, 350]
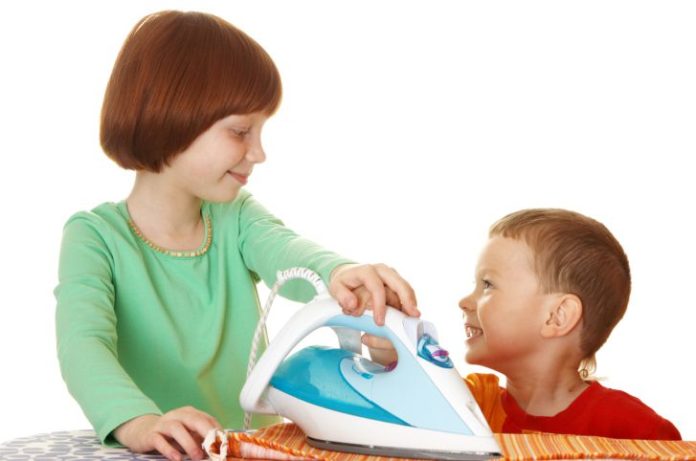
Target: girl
[156, 301]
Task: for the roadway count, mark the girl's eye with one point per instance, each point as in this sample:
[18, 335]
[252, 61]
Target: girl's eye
[239, 132]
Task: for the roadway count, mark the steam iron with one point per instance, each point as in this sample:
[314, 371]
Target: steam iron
[419, 408]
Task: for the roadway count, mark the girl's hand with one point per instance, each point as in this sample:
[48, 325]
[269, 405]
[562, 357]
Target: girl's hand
[179, 431]
[381, 349]
[357, 287]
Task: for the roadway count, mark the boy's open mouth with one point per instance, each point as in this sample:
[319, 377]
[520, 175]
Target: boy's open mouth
[472, 332]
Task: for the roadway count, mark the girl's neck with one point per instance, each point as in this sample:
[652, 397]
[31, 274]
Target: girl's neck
[545, 392]
[165, 214]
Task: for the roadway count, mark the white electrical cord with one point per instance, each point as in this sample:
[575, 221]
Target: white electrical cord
[281, 277]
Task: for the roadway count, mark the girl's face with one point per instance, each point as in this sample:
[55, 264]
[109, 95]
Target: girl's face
[221, 159]
[505, 312]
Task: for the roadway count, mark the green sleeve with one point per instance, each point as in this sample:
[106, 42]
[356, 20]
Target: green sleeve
[267, 246]
[86, 330]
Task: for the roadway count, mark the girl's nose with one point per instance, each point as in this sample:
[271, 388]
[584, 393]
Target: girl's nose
[256, 154]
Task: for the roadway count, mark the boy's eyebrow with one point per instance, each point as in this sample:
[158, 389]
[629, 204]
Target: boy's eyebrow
[486, 270]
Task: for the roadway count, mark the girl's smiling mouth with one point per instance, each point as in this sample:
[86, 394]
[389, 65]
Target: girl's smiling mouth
[242, 178]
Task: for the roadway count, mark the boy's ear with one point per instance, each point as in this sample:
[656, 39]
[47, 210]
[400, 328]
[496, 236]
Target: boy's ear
[563, 316]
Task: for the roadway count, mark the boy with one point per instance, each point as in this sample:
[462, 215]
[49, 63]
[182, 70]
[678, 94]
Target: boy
[550, 286]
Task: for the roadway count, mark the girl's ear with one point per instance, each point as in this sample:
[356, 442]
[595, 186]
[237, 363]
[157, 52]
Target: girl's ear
[563, 316]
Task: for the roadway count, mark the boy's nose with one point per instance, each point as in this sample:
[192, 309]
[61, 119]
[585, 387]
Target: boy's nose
[466, 304]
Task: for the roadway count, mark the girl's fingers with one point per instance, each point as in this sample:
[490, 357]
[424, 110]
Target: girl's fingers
[405, 293]
[200, 423]
[393, 298]
[374, 285]
[366, 278]
[179, 432]
[364, 298]
[381, 349]
[376, 342]
[345, 297]
[357, 287]
[163, 446]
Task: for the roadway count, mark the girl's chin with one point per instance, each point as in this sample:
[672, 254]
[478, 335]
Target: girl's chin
[222, 196]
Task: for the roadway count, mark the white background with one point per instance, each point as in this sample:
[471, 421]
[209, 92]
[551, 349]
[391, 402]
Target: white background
[405, 131]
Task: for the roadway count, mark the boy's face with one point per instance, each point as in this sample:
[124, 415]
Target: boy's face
[505, 312]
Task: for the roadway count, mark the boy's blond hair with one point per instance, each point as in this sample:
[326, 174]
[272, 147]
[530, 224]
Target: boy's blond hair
[576, 254]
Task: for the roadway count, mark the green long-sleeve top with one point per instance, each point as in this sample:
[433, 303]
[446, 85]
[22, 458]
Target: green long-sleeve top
[140, 331]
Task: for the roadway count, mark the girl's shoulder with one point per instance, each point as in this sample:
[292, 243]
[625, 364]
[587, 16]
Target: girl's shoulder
[102, 218]
[241, 211]
[227, 209]
[100, 229]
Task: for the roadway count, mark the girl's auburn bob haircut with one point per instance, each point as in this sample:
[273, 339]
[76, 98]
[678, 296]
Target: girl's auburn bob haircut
[175, 76]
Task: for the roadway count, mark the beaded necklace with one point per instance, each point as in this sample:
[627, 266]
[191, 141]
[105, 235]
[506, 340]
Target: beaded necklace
[177, 253]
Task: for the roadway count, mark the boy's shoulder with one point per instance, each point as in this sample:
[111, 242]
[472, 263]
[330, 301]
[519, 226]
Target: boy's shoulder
[482, 381]
[624, 414]
[486, 390]
[608, 398]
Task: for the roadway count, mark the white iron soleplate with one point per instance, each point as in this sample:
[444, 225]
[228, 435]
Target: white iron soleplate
[391, 452]
[340, 431]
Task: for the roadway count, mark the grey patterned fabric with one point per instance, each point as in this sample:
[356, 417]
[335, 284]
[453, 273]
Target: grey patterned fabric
[66, 445]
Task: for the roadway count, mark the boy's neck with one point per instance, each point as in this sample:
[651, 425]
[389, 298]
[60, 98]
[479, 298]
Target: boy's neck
[545, 392]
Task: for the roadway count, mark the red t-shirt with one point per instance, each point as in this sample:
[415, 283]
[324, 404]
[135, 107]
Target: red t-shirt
[598, 411]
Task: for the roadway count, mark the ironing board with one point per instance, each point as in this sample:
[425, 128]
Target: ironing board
[288, 438]
[66, 445]
[84, 445]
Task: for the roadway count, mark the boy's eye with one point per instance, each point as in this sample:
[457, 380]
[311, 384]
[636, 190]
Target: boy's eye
[486, 284]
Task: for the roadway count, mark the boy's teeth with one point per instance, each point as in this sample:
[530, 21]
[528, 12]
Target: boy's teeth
[473, 331]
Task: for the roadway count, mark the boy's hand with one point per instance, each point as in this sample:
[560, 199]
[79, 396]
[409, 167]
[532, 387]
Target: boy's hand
[174, 433]
[357, 287]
